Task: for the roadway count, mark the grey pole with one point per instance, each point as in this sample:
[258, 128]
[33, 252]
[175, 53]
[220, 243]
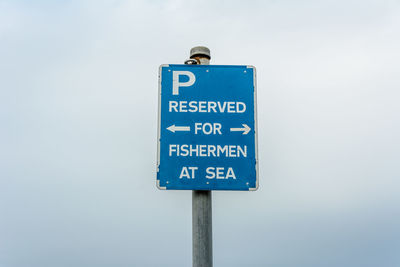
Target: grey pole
[201, 200]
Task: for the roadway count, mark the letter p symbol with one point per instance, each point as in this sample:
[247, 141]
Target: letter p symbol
[175, 80]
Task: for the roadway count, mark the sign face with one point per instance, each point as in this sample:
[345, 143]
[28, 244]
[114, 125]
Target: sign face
[207, 128]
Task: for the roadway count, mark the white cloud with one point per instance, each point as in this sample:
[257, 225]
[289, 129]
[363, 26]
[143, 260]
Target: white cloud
[78, 175]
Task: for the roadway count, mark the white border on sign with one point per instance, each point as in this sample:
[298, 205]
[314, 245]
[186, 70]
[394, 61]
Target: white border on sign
[255, 128]
[255, 124]
[159, 126]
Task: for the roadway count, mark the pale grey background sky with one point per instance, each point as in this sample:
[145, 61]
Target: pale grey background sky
[78, 113]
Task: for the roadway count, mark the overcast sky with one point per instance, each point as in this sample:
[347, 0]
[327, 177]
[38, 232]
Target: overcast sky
[78, 115]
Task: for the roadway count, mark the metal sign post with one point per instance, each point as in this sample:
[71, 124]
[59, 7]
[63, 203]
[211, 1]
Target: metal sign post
[201, 200]
[207, 136]
[202, 228]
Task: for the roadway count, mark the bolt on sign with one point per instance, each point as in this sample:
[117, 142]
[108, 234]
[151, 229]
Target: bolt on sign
[207, 128]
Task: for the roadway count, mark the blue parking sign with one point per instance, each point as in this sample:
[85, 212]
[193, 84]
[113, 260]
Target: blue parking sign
[207, 128]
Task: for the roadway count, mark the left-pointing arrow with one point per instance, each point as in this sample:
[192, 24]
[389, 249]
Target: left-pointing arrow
[174, 128]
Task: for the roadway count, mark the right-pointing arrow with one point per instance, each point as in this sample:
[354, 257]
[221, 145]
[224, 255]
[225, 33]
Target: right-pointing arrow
[246, 129]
